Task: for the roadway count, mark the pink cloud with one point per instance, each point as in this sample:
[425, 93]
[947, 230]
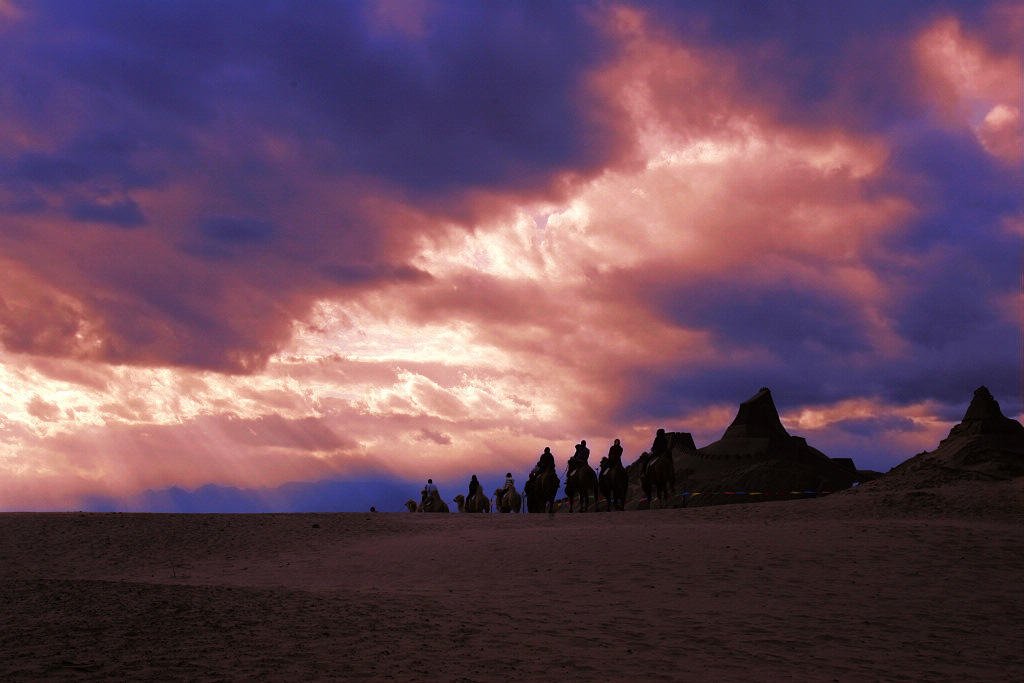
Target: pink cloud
[974, 85]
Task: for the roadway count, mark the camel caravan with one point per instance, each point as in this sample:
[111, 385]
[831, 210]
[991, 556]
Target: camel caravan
[756, 459]
[582, 483]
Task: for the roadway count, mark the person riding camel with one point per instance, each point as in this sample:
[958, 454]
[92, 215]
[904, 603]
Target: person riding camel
[658, 449]
[428, 490]
[473, 486]
[614, 459]
[528, 486]
[580, 457]
[510, 483]
[546, 460]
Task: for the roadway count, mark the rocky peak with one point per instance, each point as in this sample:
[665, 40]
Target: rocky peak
[758, 418]
[984, 417]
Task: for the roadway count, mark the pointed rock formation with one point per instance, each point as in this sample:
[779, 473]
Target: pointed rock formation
[755, 454]
[758, 418]
[983, 417]
[985, 446]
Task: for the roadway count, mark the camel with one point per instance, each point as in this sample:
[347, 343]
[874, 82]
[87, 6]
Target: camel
[582, 482]
[478, 503]
[658, 473]
[507, 501]
[433, 504]
[545, 488]
[529, 497]
[411, 504]
[613, 482]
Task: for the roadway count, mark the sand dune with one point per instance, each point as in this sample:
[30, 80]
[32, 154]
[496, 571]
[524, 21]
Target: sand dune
[856, 586]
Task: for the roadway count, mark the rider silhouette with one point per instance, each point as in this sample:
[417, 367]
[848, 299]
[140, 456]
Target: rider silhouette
[580, 457]
[615, 455]
[546, 460]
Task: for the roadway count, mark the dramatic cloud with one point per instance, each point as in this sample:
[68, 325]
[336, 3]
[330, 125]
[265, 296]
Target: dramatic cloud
[251, 243]
[976, 86]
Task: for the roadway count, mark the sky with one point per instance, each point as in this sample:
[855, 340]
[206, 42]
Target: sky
[252, 243]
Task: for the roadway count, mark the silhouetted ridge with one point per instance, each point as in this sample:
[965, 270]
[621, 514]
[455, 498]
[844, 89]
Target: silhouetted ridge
[758, 418]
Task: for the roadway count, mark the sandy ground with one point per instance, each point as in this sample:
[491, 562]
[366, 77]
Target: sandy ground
[874, 586]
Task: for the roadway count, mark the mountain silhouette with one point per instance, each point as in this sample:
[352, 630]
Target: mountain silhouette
[985, 446]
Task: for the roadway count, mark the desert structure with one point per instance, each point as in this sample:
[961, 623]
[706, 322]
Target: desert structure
[756, 455]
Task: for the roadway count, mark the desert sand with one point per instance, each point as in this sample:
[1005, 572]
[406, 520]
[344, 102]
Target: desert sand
[860, 585]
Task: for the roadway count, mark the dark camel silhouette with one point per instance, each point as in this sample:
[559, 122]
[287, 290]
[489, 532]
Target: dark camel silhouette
[433, 504]
[507, 501]
[582, 483]
[614, 482]
[545, 488]
[478, 503]
[659, 474]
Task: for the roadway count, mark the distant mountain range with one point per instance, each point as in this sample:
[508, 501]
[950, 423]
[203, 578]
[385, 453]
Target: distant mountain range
[387, 495]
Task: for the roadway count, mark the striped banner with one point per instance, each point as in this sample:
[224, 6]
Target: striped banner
[713, 493]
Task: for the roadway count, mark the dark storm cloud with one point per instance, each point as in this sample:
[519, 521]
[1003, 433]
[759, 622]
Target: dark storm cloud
[819, 60]
[235, 230]
[778, 318]
[226, 237]
[956, 266]
[489, 97]
[869, 426]
[670, 392]
[48, 170]
[123, 214]
[803, 343]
